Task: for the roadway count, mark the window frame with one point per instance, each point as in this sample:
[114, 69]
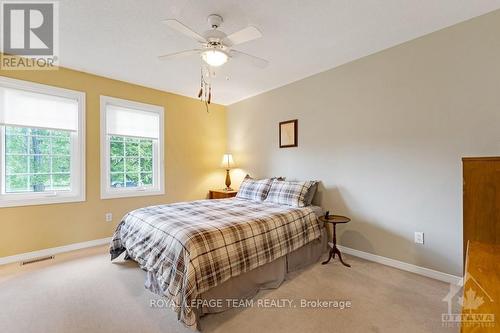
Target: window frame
[158, 188]
[77, 170]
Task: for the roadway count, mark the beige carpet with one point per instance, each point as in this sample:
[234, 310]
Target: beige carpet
[83, 291]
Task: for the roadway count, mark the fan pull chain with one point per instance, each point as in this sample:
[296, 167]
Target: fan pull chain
[205, 92]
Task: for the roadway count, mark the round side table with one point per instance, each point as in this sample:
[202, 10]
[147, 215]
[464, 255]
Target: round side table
[334, 220]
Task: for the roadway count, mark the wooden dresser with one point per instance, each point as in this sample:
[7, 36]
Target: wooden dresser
[481, 306]
[481, 200]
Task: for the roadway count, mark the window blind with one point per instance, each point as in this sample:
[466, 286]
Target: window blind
[29, 109]
[132, 122]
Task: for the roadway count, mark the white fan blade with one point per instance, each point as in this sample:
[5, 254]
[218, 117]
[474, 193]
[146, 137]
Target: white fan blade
[244, 35]
[180, 54]
[259, 62]
[176, 25]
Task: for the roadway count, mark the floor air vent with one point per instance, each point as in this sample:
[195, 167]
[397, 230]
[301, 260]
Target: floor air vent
[34, 260]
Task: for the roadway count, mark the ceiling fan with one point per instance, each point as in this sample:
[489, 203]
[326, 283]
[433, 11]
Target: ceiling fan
[216, 48]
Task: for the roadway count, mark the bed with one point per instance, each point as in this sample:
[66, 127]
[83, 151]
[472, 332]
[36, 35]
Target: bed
[217, 249]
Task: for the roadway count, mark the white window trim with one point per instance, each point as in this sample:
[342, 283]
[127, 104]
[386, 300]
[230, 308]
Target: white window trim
[77, 194]
[107, 192]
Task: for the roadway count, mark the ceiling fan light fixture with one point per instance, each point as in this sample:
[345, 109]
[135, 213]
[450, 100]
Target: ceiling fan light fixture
[214, 58]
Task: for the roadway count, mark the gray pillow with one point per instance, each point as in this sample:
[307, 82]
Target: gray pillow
[310, 194]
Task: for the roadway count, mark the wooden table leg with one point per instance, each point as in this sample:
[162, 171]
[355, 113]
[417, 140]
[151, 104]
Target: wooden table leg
[334, 250]
[330, 256]
[340, 257]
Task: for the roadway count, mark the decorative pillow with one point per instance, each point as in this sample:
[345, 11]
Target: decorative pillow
[310, 194]
[253, 189]
[289, 193]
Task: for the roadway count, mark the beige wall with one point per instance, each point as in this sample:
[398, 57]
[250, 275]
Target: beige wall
[194, 143]
[385, 135]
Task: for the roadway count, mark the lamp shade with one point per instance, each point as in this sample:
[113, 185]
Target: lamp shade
[227, 161]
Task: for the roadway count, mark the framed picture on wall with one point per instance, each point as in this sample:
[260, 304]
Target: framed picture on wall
[288, 133]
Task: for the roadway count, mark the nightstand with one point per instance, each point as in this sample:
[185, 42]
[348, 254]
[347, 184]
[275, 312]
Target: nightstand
[221, 194]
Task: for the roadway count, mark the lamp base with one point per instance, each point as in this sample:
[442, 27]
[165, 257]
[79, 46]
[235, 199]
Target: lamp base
[228, 181]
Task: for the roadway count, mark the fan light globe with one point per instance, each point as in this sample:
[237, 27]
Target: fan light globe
[214, 58]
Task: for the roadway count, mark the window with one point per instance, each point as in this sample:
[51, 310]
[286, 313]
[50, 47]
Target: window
[37, 160]
[42, 139]
[131, 149]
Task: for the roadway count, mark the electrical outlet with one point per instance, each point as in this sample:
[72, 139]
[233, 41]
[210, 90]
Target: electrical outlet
[419, 237]
[108, 217]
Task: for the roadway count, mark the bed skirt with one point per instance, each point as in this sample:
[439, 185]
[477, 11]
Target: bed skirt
[268, 276]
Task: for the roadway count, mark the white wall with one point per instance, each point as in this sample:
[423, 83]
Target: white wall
[385, 135]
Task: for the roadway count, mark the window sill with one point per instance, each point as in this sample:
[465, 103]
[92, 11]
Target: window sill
[130, 194]
[42, 200]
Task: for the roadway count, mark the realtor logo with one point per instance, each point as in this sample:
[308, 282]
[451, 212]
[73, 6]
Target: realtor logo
[471, 313]
[29, 35]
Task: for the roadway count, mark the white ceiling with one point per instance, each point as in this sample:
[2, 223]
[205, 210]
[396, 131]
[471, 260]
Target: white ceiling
[121, 39]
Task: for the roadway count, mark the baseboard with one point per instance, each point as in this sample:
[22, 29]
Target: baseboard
[437, 275]
[53, 251]
[365, 255]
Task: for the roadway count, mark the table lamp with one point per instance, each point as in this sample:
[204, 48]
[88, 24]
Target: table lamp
[228, 163]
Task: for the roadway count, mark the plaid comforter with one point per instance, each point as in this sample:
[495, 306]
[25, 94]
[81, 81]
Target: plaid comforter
[187, 248]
